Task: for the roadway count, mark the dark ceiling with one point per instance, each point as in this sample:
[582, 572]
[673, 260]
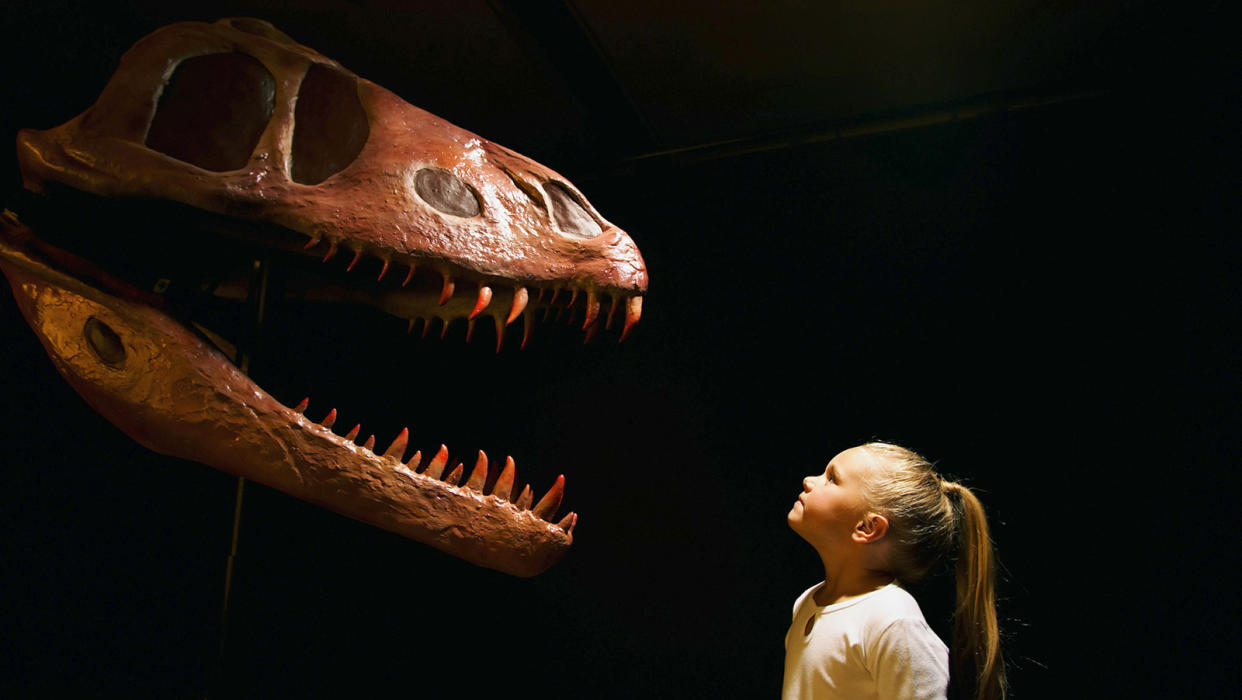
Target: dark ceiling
[588, 85]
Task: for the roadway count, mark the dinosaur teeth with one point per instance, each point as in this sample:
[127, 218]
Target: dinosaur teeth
[528, 325]
[436, 466]
[520, 299]
[567, 523]
[633, 311]
[408, 276]
[329, 419]
[485, 298]
[331, 251]
[353, 433]
[447, 290]
[302, 405]
[590, 333]
[454, 477]
[592, 309]
[370, 443]
[546, 508]
[352, 263]
[504, 483]
[314, 241]
[500, 333]
[397, 449]
[415, 460]
[469, 329]
[383, 271]
[612, 309]
[523, 501]
[478, 475]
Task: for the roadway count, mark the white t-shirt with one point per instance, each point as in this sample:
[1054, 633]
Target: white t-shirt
[877, 645]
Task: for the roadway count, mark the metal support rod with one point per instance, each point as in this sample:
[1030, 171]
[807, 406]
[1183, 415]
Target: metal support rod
[256, 304]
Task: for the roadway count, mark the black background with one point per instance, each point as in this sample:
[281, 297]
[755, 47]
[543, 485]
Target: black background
[1043, 300]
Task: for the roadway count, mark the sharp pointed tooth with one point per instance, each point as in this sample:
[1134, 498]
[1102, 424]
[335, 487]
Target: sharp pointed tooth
[555, 293]
[590, 333]
[539, 297]
[415, 461]
[353, 433]
[410, 328]
[546, 508]
[573, 297]
[567, 523]
[447, 290]
[523, 501]
[633, 311]
[329, 420]
[454, 476]
[500, 333]
[331, 251]
[504, 483]
[612, 309]
[314, 241]
[408, 276]
[352, 263]
[469, 329]
[520, 298]
[485, 298]
[528, 326]
[444, 329]
[370, 443]
[478, 475]
[592, 309]
[301, 407]
[426, 326]
[383, 271]
[436, 466]
[397, 449]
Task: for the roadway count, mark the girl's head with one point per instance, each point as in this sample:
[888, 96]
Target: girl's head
[890, 500]
[919, 506]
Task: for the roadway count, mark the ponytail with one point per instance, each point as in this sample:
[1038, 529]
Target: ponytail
[976, 661]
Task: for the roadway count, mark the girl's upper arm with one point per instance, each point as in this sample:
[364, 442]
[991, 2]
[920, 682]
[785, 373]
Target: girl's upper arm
[910, 661]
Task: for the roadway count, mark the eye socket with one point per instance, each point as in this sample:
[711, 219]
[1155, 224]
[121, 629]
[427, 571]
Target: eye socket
[105, 342]
[571, 217]
[446, 192]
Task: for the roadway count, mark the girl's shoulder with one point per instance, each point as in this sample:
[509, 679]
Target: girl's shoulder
[891, 603]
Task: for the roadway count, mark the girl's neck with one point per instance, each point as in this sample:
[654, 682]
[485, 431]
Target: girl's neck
[842, 585]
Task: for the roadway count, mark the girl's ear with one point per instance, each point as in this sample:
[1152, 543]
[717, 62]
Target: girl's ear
[872, 528]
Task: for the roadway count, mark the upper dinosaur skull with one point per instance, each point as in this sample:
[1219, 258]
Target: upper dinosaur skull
[236, 119]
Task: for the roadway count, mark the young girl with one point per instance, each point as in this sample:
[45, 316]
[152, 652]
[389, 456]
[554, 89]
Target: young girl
[880, 517]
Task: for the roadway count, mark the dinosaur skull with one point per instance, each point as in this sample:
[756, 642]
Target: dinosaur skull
[237, 120]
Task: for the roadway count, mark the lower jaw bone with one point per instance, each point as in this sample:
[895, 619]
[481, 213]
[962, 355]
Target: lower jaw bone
[176, 395]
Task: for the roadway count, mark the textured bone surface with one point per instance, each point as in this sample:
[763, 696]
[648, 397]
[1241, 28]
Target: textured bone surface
[417, 187]
[238, 120]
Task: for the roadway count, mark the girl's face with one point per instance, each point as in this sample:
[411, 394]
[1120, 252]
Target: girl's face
[832, 503]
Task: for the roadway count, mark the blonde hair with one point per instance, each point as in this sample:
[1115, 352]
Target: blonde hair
[927, 516]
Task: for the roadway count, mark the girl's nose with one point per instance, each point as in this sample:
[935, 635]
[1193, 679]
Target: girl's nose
[806, 484]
